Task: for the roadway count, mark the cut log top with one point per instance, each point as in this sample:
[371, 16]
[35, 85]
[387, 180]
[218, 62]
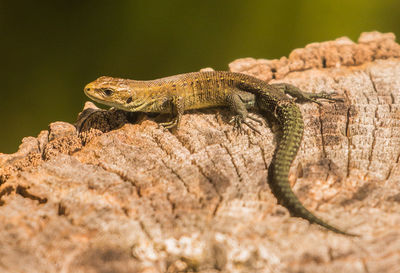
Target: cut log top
[124, 195]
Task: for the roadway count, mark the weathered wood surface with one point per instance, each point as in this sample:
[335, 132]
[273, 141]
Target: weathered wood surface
[127, 196]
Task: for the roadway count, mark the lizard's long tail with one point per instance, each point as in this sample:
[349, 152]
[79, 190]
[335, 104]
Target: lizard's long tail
[291, 122]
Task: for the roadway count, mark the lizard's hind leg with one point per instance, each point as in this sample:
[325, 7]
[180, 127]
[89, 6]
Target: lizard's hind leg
[238, 103]
[302, 96]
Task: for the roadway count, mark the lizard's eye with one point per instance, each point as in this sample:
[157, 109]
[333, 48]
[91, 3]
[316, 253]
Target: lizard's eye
[107, 92]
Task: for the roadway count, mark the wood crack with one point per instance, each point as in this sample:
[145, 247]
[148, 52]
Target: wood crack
[321, 131]
[122, 175]
[177, 175]
[373, 133]
[347, 133]
[235, 166]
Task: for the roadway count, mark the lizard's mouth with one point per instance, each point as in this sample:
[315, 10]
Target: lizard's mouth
[93, 95]
[89, 91]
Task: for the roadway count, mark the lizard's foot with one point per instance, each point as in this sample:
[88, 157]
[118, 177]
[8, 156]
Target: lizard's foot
[313, 97]
[239, 120]
[259, 121]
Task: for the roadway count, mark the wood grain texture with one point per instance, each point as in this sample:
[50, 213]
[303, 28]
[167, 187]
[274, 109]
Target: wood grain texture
[124, 195]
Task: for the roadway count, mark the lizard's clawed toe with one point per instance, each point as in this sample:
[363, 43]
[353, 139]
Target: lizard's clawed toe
[169, 124]
[238, 121]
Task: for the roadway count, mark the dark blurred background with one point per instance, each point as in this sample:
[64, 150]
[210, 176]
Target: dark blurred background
[51, 49]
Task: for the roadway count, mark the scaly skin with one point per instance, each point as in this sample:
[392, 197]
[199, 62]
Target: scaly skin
[291, 123]
[238, 91]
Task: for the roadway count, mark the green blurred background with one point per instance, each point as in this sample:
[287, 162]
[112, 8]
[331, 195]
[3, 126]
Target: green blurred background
[51, 49]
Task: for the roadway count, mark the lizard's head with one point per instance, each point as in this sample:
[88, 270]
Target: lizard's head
[111, 91]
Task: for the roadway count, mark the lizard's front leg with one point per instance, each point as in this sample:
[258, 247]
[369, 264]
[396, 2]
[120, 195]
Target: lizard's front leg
[177, 109]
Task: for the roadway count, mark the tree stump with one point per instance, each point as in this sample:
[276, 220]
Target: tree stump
[118, 193]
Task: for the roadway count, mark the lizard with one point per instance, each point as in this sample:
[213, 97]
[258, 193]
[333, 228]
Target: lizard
[240, 92]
